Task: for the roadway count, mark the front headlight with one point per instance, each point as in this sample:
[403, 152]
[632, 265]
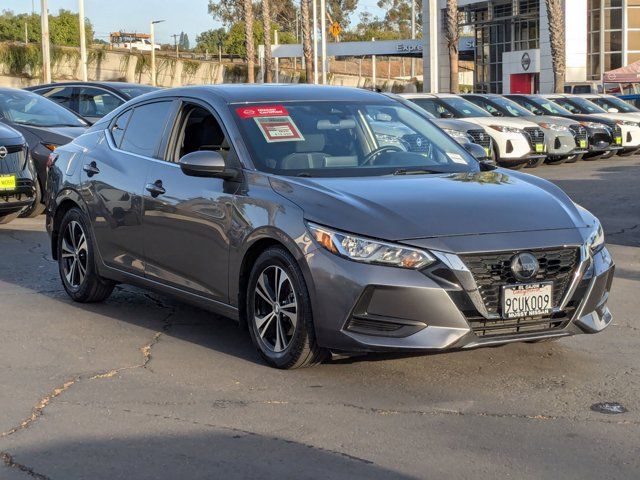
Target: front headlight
[555, 127]
[593, 125]
[364, 250]
[504, 129]
[627, 123]
[456, 134]
[595, 241]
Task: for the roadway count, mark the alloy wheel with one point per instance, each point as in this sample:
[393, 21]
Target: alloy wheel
[275, 309]
[74, 254]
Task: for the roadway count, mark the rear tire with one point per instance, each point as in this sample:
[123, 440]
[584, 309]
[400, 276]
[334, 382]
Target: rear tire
[574, 158]
[8, 218]
[37, 208]
[76, 260]
[279, 313]
[556, 161]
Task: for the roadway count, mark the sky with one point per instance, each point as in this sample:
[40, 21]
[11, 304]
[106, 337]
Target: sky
[108, 16]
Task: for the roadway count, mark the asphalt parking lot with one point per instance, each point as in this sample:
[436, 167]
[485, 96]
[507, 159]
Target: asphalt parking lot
[145, 387]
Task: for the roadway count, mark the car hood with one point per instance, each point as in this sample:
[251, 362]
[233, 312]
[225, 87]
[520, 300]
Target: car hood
[618, 116]
[454, 124]
[502, 121]
[420, 206]
[553, 119]
[58, 135]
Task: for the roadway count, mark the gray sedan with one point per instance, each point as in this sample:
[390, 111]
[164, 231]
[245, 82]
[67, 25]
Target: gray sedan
[279, 207]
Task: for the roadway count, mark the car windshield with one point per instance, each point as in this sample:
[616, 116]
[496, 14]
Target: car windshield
[26, 108]
[580, 105]
[344, 139]
[136, 91]
[550, 107]
[449, 107]
[613, 102]
[512, 107]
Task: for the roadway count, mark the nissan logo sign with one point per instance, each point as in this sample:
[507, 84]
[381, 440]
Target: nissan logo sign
[524, 266]
[3, 151]
[525, 61]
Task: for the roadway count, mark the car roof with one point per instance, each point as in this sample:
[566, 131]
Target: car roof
[117, 86]
[428, 95]
[259, 93]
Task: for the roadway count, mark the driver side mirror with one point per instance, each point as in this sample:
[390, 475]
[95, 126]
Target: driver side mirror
[446, 115]
[206, 163]
[497, 113]
[613, 110]
[478, 152]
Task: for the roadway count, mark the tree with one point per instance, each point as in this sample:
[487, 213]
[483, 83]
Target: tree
[64, 28]
[266, 28]
[248, 39]
[210, 40]
[341, 9]
[398, 16]
[227, 11]
[306, 40]
[452, 34]
[184, 43]
[555, 16]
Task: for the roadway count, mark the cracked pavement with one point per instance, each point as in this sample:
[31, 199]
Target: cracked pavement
[145, 387]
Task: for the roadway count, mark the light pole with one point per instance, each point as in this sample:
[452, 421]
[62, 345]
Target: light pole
[323, 28]
[413, 36]
[83, 41]
[315, 41]
[46, 51]
[152, 38]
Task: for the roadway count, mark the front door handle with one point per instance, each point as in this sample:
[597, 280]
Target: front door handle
[155, 188]
[91, 169]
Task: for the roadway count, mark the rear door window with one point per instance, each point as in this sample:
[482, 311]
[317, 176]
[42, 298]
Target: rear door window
[96, 102]
[60, 95]
[145, 128]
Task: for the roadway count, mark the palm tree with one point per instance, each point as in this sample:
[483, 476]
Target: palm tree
[248, 39]
[306, 40]
[452, 34]
[555, 16]
[266, 27]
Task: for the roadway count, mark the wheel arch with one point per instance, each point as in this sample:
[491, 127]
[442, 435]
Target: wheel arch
[66, 200]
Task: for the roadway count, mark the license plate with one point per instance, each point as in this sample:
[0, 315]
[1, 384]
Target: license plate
[618, 140]
[7, 182]
[583, 144]
[539, 147]
[528, 300]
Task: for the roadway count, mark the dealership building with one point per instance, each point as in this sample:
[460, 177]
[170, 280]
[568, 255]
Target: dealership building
[510, 41]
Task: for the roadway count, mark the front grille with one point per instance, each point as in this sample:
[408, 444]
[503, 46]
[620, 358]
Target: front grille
[535, 136]
[480, 137]
[579, 133]
[492, 271]
[14, 161]
[499, 327]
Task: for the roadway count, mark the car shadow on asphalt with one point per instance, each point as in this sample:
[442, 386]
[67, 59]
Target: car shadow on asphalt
[225, 454]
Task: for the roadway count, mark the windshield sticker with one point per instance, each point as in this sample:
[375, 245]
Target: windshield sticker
[457, 158]
[262, 111]
[279, 129]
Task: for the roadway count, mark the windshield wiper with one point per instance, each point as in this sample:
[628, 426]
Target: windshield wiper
[304, 174]
[404, 171]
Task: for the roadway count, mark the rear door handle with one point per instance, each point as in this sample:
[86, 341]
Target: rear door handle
[155, 188]
[91, 169]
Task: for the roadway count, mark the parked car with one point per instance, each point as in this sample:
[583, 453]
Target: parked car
[604, 135]
[45, 125]
[516, 142]
[17, 177]
[466, 134]
[91, 100]
[630, 127]
[277, 206]
[612, 104]
[565, 138]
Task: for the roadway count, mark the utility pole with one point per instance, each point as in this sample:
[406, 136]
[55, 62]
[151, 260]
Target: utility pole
[413, 36]
[152, 38]
[46, 49]
[277, 59]
[175, 43]
[315, 41]
[373, 68]
[83, 41]
[323, 27]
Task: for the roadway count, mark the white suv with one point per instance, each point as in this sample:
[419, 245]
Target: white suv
[517, 142]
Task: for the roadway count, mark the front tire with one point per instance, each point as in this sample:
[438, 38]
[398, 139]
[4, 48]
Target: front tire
[76, 260]
[279, 312]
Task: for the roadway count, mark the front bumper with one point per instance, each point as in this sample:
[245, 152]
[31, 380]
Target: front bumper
[560, 144]
[360, 308]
